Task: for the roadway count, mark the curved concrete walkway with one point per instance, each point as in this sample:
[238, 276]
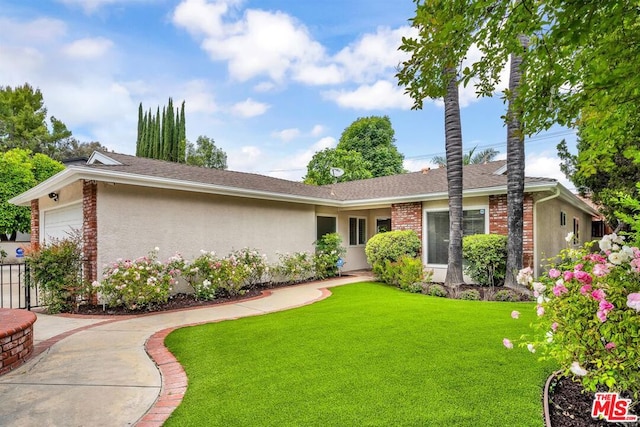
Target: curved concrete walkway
[96, 372]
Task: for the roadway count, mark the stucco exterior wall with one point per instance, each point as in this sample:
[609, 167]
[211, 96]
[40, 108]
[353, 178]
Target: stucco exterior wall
[550, 234]
[68, 195]
[134, 220]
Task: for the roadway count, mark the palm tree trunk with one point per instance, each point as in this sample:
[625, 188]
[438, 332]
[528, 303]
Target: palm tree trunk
[515, 175]
[453, 146]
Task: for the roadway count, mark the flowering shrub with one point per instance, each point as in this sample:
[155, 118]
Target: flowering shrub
[328, 249]
[139, 283]
[56, 268]
[589, 315]
[212, 277]
[294, 268]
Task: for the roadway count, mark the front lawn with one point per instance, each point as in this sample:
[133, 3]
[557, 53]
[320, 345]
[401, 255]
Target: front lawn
[370, 355]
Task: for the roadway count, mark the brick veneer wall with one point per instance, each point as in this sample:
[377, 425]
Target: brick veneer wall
[35, 224]
[16, 338]
[498, 223]
[90, 229]
[407, 216]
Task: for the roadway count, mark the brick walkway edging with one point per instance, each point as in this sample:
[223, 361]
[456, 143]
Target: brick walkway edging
[174, 379]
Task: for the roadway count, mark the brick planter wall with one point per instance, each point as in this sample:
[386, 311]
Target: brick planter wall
[16, 338]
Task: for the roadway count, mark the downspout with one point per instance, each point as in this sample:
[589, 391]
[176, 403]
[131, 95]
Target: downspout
[535, 228]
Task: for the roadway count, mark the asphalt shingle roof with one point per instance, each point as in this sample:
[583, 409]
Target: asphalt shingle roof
[404, 185]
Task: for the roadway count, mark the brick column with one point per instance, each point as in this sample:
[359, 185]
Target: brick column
[35, 224]
[498, 223]
[407, 216]
[90, 229]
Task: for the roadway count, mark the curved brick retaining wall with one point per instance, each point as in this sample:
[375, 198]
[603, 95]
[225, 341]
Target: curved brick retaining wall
[16, 338]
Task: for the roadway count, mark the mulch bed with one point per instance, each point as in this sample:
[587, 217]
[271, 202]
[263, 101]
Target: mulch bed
[175, 302]
[569, 407]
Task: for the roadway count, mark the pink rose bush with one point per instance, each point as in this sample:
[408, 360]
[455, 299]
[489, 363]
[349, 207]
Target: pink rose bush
[138, 283]
[588, 307]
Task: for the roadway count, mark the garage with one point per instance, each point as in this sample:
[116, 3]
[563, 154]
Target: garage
[59, 223]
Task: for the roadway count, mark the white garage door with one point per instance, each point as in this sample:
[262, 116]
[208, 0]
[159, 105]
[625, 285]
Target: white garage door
[59, 223]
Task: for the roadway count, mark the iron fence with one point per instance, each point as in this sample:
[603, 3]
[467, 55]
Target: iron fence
[16, 289]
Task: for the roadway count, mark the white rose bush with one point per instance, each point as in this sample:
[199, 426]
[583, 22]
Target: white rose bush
[588, 307]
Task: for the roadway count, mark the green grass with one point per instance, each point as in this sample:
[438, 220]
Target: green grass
[369, 355]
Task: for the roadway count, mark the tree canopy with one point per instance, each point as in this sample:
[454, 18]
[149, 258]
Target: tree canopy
[20, 170]
[206, 154]
[23, 121]
[351, 163]
[162, 136]
[366, 149]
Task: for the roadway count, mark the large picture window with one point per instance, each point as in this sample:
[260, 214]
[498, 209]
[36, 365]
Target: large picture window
[325, 225]
[357, 231]
[473, 222]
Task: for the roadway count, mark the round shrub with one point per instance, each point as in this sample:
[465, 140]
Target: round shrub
[470, 295]
[392, 246]
[436, 290]
[506, 295]
[485, 257]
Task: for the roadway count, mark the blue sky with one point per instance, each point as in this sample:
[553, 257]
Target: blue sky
[271, 81]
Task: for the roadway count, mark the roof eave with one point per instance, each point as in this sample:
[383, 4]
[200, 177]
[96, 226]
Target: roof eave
[75, 173]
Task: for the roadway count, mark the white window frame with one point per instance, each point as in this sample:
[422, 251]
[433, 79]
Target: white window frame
[425, 229]
[328, 216]
[358, 219]
[382, 218]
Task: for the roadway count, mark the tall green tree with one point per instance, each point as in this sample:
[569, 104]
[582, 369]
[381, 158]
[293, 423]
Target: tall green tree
[445, 29]
[374, 138]
[23, 121]
[351, 162]
[163, 135]
[206, 154]
[20, 170]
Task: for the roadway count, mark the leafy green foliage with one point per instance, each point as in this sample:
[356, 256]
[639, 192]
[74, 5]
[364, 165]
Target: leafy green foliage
[391, 246]
[470, 295]
[23, 121]
[162, 136]
[406, 273]
[294, 268]
[589, 322]
[20, 170]
[485, 256]
[328, 250]
[506, 295]
[140, 283]
[436, 290]
[366, 149]
[350, 161]
[206, 154]
[56, 268]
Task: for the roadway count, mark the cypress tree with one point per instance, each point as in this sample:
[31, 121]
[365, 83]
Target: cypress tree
[162, 136]
[140, 132]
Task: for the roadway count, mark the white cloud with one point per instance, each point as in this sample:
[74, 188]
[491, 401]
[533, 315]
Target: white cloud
[286, 134]
[294, 166]
[312, 74]
[260, 43]
[264, 87]
[249, 108]
[546, 165]
[382, 94]
[90, 6]
[88, 48]
[374, 54]
[247, 158]
[41, 30]
[317, 130]
[199, 97]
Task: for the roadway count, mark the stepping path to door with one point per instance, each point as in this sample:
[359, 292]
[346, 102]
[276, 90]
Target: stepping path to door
[98, 371]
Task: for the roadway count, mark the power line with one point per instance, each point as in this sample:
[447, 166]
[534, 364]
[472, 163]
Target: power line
[529, 141]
